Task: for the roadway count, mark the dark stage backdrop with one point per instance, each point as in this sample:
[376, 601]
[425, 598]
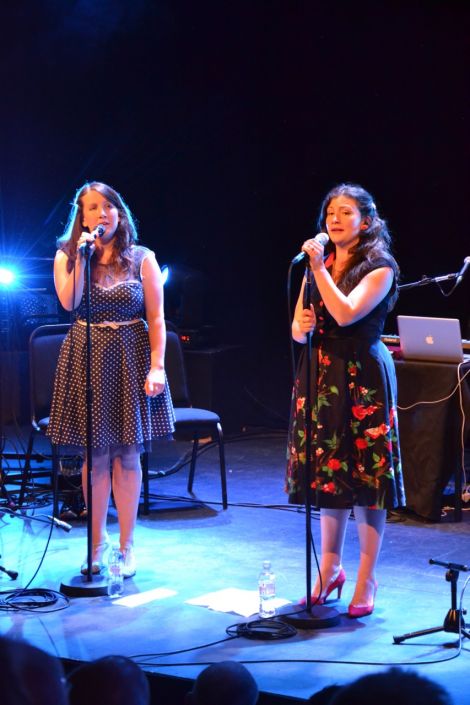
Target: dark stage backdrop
[223, 125]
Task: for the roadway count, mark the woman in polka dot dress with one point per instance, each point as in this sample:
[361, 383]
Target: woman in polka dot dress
[131, 399]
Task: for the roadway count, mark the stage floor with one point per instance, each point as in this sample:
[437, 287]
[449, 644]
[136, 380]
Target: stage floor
[186, 550]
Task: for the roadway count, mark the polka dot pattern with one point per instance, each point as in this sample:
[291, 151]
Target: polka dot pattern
[123, 415]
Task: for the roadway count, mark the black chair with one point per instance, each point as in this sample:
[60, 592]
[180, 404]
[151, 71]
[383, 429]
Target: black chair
[44, 347]
[197, 422]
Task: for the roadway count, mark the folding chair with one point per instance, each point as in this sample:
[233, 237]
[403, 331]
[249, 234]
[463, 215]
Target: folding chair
[198, 422]
[44, 347]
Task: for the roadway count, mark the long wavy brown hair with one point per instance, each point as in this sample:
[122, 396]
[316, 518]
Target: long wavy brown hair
[125, 235]
[374, 241]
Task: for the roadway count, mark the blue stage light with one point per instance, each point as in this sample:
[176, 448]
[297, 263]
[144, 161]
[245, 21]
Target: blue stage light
[7, 278]
[165, 274]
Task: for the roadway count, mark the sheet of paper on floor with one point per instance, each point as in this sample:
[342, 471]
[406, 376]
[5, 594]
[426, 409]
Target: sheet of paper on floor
[242, 602]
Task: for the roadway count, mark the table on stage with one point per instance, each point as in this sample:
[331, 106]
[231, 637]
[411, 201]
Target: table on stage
[431, 434]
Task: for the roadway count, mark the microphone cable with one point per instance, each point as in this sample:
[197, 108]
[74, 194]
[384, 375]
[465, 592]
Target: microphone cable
[262, 630]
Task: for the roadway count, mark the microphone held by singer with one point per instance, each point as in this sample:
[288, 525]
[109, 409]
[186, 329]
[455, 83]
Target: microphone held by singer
[322, 238]
[98, 232]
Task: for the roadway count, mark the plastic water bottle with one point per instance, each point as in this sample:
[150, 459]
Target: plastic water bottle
[267, 591]
[115, 576]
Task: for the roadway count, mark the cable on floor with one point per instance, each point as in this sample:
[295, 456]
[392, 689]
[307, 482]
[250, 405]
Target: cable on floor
[262, 629]
[32, 600]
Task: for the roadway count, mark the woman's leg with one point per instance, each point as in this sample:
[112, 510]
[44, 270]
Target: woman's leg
[370, 527]
[127, 482]
[101, 490]
[333, 524]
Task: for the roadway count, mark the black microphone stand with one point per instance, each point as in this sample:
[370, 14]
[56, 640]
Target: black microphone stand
[5, 393]
[43, 519]
[454, 621]
[12, 574]
[311, 616]
[431, 280]
[4, 494]
[88, 585]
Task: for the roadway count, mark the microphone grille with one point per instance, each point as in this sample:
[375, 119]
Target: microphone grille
[322, 238]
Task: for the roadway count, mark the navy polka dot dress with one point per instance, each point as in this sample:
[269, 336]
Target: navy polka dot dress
[123, 415]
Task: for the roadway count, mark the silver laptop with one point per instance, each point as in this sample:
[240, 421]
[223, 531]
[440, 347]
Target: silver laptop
[430, 339]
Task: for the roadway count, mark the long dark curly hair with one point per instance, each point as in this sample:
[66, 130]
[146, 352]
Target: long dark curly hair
[124, 238]
[374, 241]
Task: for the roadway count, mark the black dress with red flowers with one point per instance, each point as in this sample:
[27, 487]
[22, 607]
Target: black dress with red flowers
[355, 454]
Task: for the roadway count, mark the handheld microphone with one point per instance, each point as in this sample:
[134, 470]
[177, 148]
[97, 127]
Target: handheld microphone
[466, 264]
[61, 524]
[99, 231]
[322, 238]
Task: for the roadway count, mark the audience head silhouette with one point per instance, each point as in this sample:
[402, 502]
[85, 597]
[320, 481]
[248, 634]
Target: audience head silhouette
[224, 683]
[30, 676]
[391, 687]
[111, 680]
[324, 696]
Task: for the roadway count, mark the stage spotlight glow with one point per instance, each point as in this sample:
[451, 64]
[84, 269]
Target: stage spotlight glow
[7, 277]
[165, 273]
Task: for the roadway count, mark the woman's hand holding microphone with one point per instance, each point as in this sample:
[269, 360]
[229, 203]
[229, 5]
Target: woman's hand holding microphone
[314, 248]
[86, 241]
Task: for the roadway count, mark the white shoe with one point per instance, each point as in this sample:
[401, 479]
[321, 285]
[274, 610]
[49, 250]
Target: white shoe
[129, 568]
[98, 559]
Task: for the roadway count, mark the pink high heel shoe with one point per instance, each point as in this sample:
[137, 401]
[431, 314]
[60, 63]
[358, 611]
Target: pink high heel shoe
[336, 584]
[363, 610]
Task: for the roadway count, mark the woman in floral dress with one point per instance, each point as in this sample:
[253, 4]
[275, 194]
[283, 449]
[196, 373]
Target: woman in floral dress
[355, 456]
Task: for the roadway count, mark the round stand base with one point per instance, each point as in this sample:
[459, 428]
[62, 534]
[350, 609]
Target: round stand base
[318, 617]
[80, 586]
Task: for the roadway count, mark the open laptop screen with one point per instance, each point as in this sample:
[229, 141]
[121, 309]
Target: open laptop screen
[430, 339]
